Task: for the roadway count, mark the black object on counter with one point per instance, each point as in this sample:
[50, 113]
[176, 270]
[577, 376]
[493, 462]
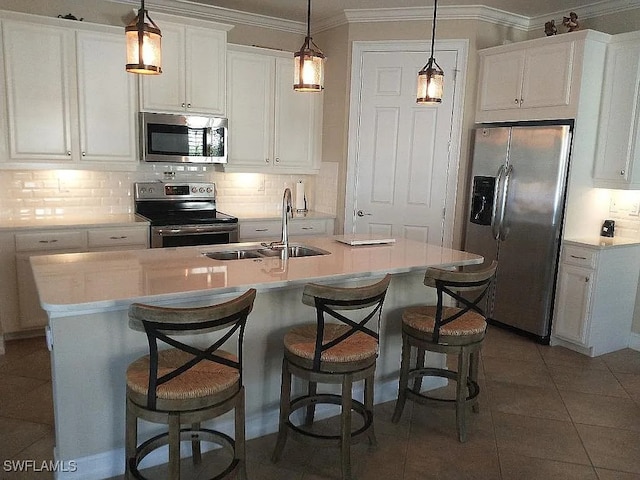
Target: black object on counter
[608, 226]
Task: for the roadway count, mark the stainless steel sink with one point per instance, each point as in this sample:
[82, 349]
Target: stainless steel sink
[295, 251]
[233, 254]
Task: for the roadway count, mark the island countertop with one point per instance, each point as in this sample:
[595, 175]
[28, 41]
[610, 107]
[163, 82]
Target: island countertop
[69, 283]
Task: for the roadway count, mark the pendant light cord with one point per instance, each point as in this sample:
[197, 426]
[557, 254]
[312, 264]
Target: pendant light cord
[433, 28]
[309, 19]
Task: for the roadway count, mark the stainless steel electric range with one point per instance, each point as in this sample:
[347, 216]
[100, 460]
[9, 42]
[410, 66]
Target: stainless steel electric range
[183, 214]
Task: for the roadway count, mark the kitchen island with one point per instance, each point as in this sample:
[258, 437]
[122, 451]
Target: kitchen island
[87, 295]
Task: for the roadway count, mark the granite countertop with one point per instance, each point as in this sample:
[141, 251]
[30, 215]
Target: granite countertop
[77, 282]
[601, 243]
[61, 221]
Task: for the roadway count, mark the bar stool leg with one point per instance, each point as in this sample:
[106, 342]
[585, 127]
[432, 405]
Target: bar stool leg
[417, 383]
[240, 450]
[345, 427]
[311, 409]
[368, 405]
[461, 394]
[131, 439]
[473, 374]
[174, 446]
[195, 445]
[285, 410]
[403, 383]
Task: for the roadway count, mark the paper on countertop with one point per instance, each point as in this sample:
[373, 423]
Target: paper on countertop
[355, 239]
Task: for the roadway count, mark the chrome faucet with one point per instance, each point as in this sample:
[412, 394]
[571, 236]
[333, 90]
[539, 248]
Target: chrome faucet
[287, 209]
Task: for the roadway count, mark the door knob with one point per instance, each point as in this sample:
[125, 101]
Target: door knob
[360, 213]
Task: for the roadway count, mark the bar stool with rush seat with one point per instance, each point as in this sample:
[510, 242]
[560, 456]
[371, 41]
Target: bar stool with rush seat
[450, 330]
[333, 353]
[187, 384]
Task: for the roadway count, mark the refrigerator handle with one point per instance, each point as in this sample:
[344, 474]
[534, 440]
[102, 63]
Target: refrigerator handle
[495, 214]
[502, 234]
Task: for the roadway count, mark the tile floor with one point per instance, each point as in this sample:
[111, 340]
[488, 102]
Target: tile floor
[546, 413]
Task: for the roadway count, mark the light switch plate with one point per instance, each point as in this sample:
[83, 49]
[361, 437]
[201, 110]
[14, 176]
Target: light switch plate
[634, 208]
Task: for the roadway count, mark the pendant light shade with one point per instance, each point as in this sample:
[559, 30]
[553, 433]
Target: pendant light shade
[144, 53]
[308, 69]
[431, 77]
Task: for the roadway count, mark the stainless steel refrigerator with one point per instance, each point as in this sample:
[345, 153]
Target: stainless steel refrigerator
[518, 182]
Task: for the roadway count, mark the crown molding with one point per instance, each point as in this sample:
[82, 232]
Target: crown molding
[596, 9]
[463, 12]
[189, 8]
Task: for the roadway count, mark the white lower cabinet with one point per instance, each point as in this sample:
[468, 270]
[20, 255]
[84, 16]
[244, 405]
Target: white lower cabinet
[20, 307]
[272, 229]
[595, 297]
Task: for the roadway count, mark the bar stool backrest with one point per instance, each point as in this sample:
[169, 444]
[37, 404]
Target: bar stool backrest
[333, 300]
[456, 285]
[164, 323]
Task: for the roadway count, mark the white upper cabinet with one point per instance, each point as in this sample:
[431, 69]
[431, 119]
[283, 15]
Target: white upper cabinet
[69, 101]
[617, 161]
[38, 85]
[535, 80]
[106, 99]
[272, 128]
[193, 75]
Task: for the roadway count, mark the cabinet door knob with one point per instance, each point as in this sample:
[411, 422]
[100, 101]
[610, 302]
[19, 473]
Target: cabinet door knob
[68, 153]
[517, 101]
[266, 160]
[277, 159]
[84, 154]
[188, 105]
[521, 101]
[183, 105]
[622, 172]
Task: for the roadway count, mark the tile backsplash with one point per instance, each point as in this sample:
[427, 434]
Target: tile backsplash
[624, 206]
[28, 194]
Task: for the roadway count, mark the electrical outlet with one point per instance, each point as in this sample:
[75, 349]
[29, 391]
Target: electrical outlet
[634, 208]
[261, 183]
[613, 206]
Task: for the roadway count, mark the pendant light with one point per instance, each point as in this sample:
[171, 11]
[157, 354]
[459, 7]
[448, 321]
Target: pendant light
[308, 69]
[144, 53]
[431, 77]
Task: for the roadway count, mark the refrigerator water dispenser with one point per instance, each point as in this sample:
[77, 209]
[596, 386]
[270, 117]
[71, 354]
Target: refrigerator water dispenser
[482, 200]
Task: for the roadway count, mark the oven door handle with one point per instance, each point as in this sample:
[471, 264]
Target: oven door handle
[168, 231]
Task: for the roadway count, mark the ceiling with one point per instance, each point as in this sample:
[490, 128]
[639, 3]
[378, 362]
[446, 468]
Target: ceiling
[296, 10]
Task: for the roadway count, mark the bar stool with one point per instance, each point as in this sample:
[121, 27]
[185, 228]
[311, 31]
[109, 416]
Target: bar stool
[450, 330]
[340, 353]
[187, 384]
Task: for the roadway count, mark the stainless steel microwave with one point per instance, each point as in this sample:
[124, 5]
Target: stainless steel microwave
[175, 138]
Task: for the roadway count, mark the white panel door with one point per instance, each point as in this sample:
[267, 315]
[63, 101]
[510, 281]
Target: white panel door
[402, 156]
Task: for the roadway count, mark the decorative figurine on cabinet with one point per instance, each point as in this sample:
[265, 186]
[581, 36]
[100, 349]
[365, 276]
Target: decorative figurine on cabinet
[571, 22]
[550, 28]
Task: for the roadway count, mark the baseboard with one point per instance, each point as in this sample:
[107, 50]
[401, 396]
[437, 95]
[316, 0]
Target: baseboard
[111, 464]
[634, 341]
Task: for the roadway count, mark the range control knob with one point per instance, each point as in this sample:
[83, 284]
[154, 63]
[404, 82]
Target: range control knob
[194, 189]
[150, 189]
[201, 190]
[209, 189]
